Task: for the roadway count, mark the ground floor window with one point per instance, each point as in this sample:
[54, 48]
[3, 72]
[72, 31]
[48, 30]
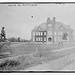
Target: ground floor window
[44, 33]
[41, 33]
[41, 38]
[37, 39]
[44, 39]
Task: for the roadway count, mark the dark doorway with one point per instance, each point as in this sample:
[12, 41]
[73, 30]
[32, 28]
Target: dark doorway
[50, 39]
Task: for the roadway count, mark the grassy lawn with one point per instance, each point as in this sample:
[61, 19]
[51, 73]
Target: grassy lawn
[25, 55]
[26, 48]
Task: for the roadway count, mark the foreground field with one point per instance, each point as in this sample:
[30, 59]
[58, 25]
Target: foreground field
[65, 61]
[25, 55]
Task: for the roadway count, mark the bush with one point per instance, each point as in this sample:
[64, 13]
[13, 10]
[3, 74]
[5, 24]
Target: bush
[5, 50]
[9, 64]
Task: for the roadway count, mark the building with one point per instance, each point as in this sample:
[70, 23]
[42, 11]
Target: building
[52, 32]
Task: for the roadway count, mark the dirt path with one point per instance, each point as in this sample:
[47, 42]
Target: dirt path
[64, 63]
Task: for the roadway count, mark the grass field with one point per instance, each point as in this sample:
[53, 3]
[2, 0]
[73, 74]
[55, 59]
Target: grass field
[24, 55]
[26, 48]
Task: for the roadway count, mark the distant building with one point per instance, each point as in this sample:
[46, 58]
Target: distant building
[52, 32]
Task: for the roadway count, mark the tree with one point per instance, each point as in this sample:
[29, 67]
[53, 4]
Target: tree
[64, 37]
[18, 39]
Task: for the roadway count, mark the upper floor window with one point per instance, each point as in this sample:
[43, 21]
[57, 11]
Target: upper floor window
[41, 33]
[44, 39]
[37, 39]
[41, 38]
[44, 33]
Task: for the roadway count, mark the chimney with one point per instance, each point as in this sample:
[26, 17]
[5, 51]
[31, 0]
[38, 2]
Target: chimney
[53, 20]
[48, 20]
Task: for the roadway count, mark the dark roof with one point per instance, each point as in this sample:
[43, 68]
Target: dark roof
[57, 24]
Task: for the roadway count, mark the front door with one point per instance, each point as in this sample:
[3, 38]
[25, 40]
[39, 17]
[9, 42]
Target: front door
[49, 40]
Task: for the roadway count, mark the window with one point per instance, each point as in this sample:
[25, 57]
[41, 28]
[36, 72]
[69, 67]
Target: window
[44, 39]
[41, 38]
[37, 39]
[44, 33]
[41, 33]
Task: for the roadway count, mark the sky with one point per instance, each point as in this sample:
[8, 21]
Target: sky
[18, 22]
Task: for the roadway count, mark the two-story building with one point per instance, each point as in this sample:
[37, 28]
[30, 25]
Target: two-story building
[52, 32]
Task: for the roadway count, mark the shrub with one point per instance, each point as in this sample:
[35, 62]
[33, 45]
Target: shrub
[9, 64]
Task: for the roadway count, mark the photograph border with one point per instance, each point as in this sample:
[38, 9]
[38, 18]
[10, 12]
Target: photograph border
[37, 3]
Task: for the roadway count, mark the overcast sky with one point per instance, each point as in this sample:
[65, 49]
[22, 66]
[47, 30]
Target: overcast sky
[18, 22]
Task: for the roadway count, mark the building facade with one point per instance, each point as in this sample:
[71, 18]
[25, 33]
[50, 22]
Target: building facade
[52, 32]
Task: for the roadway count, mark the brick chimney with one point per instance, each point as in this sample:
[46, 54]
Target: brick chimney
[48, 20]
[53, 20]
